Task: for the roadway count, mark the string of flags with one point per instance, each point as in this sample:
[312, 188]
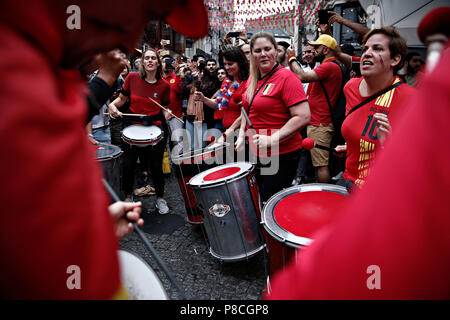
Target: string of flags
[229, 15]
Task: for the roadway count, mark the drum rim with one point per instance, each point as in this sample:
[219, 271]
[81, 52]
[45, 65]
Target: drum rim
[142, 142]
[191, 154]
[275, 230]
[233, 177]
[166, 296]
[116, 154]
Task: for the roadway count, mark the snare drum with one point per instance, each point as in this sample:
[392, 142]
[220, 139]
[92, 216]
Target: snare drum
[228, 195]
[142, 136]
[139, 279]
[292, 216]
[110, 158]
[189, 164]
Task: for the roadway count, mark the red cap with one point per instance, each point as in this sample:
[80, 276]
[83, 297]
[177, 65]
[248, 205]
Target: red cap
[435, 21]
[190, 19]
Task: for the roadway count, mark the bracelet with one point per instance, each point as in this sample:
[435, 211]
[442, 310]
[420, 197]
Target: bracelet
[292, 59]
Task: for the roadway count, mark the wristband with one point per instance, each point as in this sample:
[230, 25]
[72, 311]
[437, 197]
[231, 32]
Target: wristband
[90, 135]
[292, 58]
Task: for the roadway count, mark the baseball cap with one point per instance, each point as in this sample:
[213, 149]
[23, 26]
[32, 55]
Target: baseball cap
[193, 11]
[326, 40]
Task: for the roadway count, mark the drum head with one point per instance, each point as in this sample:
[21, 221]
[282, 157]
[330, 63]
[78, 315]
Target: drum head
[107, 151]
[295, 214]
[221, 174]
[141, 133]
[138, 278]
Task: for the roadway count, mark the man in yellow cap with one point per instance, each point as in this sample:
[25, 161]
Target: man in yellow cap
[326, 82]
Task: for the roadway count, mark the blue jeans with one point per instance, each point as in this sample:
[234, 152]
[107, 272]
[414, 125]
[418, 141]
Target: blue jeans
[102, 134]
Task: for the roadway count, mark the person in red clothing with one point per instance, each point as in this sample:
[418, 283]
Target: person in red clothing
[278, 109]
[140, 86]
[53, 205]
[365, 129]
[176, 97]
[236, 65]
[392, 240]
[325, 80]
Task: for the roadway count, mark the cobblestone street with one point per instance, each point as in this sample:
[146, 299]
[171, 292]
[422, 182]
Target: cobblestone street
[182, 246]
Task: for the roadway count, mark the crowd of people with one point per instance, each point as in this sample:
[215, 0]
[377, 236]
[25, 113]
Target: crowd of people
[284, 98]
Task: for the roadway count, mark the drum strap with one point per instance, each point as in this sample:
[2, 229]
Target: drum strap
[275, 68]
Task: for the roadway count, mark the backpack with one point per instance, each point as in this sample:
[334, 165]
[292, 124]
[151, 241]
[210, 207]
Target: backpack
[336, 164]
[338, 110]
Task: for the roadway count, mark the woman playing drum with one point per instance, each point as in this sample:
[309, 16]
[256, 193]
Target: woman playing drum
[278, 109]
[140, 87]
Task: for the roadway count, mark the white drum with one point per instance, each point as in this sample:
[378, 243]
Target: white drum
[139, 279]
[142, 136]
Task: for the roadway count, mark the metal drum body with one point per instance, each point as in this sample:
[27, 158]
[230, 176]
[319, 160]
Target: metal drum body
[142, 136]
[228, 195]
[188, 165]
[139, 279]
[292, 216]
[110, 158]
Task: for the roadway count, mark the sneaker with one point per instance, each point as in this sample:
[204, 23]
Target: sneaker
[161, 205]
[145, 191]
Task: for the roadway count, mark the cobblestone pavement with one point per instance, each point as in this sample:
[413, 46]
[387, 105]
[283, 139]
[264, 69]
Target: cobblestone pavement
[182, 246]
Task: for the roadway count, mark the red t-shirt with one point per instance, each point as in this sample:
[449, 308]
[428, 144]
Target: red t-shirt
[53, 205]
[396, 230]
[139, 90]
[359, 129]
[270, 108]
[175, 94]
[330, 75]
[233, 110]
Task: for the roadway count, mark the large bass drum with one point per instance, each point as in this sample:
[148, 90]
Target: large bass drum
[292, 216]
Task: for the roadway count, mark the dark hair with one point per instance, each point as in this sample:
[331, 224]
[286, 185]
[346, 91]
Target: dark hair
[211, 60]
[142, 72]
[195, 57]
[348, 49]
[397, 44]
[235, 54]
[284, 44]
[410, 55]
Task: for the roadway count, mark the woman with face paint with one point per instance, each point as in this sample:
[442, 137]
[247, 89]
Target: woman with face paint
[365, 129]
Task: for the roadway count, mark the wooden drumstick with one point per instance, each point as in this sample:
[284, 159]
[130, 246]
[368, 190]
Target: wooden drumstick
[169, 111]
[147, 245]
[128, 114]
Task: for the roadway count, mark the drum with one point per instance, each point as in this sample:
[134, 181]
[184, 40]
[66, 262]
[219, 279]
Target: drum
[189, 164]
[142, 136]
[292, 216]
[139, 279]
[110, 158]
[228, 195]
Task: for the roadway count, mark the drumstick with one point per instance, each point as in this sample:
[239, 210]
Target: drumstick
[128, 114]
[147, 244]
[248, 121]
[169, 111]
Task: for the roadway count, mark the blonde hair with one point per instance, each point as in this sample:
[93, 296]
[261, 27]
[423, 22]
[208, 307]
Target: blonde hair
[255, 74]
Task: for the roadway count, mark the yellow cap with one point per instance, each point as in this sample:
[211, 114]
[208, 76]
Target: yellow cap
[325, 40]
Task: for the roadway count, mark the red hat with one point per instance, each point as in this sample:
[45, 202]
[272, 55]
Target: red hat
[435, 21]
[190, 19]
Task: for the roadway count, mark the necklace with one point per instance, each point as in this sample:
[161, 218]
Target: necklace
[225, 93]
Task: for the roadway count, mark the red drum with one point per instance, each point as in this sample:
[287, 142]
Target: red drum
[189, 164]
[291, 218]
[229, 197]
